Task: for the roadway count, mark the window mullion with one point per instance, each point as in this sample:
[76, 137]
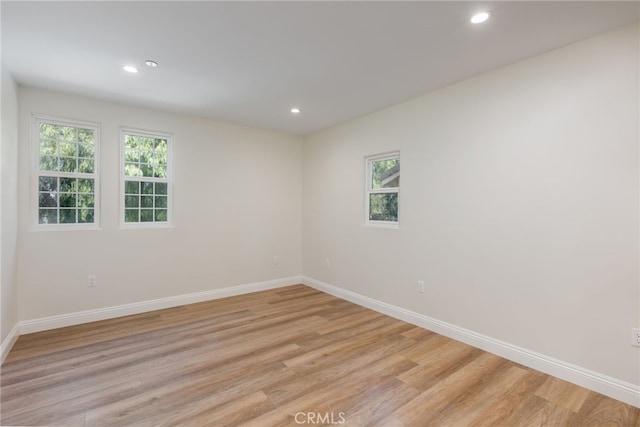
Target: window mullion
[385, 190]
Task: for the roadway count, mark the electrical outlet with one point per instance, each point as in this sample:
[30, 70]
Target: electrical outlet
[91, 281]
[327, 263]
[276, 260]
[420, 286]
[635, 337]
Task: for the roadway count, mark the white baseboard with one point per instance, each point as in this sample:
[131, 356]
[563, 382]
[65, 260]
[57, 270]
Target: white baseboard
[603, 384]
[8, 342]
[60, 321]
[620, 390]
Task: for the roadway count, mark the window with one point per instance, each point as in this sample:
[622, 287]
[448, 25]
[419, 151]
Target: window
[146, 178]
[382, 189]
[66, 173]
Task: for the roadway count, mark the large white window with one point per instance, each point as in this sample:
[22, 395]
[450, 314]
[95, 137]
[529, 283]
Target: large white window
[382, 189]
[65, 173]
[146, 178]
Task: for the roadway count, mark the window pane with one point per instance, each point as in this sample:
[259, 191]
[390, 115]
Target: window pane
[132, 169]
[85, 216]
[145, 144]
[48, 163]
[67, 149]
[161, 201]
[86, 136]
[132, 187]
[131, 215]
[47, 183]
[160, 172]
[385, 173]
[131, 155]
[48, 199]
[85, 165]
[161, 215]
[146, 215]
[86, 200]
[68, 200]
[160, 152]
[161, 188]
[68, 164]
[85, 186]
[160, 145]
[67, 216]
[48, 130]
[146, 169]
[146, 187]
[383, 207]
[131, 142]
[86, 150]
[146, 156]
[67, 133]
[131, 201]
[48, 147]
[47, 216]
[68, 185]
[146, 201]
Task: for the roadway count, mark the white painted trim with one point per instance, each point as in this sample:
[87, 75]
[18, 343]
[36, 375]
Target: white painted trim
[614, 388]
[8, 342]
[60, 321]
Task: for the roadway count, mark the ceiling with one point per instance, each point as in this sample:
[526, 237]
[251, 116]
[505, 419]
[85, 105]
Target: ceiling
[251, 62]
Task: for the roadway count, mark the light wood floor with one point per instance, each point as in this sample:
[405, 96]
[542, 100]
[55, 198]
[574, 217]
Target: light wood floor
[276, 357]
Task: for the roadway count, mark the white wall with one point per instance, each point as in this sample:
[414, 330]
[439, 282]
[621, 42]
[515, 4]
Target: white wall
[519, 205]
[9, 206]
[237, 204]
[519, 208]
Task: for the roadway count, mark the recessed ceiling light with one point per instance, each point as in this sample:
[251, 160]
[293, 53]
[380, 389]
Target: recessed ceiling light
[295, 110]
[150, 63]
[130, 69]
[480, 17]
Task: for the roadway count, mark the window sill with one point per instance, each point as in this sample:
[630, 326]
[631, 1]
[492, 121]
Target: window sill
[145, 226]
[60, 227]
[382, 224]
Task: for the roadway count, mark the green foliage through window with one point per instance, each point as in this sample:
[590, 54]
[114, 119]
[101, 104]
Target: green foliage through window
[145, 156]
[146, 183]
[145, 201]
[66, 174]
[385, 173]
[383, 188]
[383, 207]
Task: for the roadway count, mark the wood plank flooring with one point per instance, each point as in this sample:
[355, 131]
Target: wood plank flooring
[285, 357]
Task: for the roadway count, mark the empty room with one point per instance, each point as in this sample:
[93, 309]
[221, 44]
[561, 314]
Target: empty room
[359, 213]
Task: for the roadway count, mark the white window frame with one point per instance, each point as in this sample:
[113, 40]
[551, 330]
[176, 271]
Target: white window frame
[368, 162]
[36, 173]
[168, 180]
